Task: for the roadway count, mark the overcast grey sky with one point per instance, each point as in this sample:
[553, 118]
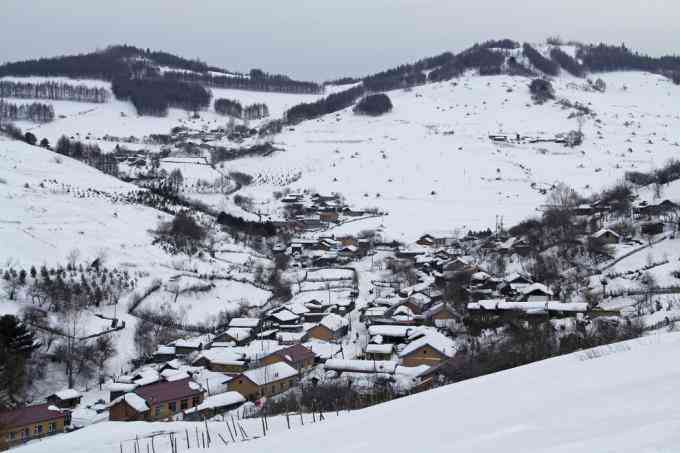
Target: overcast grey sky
[321, 39]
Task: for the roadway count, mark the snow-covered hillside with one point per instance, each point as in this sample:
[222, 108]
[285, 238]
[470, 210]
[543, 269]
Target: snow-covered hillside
[430, 164]
[52, 204]
[621, 398]
[91, 122]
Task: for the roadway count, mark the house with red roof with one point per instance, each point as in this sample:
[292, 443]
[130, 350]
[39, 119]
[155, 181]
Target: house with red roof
[31, 422]
[159, 401]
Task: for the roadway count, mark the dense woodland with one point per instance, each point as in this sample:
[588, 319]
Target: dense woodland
[35, 111]
[154, 96]
[53, 91]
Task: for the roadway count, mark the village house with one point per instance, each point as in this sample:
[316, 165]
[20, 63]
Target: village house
[158, 401]
[223, 360]
[265, 381]
[65, 399]
[235, 335]
[331, 328]
[186, 346]
[297, 356]
[427, 348]
[535, 292]
[163, 354]
[606, 236]
[442, 315]
[31, 422]
[361, 366]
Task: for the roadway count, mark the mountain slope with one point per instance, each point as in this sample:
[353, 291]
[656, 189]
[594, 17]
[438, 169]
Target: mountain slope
[431, 164]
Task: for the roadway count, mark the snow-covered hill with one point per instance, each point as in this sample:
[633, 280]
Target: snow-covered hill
[621, 398]
[430, 164]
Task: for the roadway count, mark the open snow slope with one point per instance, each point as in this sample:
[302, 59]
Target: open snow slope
[398, 160]
[49, 208]
[619, 398]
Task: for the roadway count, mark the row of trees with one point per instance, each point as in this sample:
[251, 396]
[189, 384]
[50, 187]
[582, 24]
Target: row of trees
[35, 111]
[53, 91]
[330, 104]
[234, 108]
[90, 154]
[154, 96]
[541, 63]
[260, 82]
[604, 57]
[566, 61]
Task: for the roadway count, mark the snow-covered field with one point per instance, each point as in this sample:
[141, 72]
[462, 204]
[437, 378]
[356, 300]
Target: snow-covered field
[204, 304]
[406, 163]
[619, 398]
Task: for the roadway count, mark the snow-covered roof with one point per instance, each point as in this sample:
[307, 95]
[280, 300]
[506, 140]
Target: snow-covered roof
[362, 366]
[133, 400]
[222, 356]
[536, 287]
[528, 307]
[120, 387]
[270, 373]
[605, 231]
[434, 339]
[284, 315]
[288, 337]
[239, 333]
[391, 331]
[244, 322]
[218, 401]
[379, 348]
[68, 394]
[334, 322]
[165, 350]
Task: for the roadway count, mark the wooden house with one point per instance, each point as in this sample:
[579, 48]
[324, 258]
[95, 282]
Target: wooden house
[331, 328]
[158, 401]
[606, 236]
[429, 348]
[65, 399]
[265, 381]
[297, 356]
[222, 360]
[442, 315]
[23, 424]
[239, 336]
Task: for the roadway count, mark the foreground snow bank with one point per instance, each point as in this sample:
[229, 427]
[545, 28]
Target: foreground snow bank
[625, 401]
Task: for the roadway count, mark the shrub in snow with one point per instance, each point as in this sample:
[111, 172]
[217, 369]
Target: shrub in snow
[374, 105]
[541, 90]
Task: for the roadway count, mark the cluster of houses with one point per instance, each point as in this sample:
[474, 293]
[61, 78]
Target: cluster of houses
[314, 211]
